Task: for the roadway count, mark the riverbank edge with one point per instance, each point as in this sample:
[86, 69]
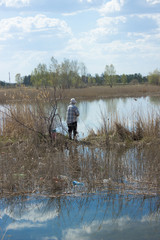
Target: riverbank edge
[95, 141]
[10, 95]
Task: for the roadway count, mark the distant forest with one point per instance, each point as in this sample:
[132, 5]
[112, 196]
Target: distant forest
[72, 74]
[93, 80]
[85, 80]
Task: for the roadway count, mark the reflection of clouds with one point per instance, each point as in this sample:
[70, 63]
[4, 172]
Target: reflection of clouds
[18, 225]
[151, 218]
[50, 238]
[115, 229]
[89, 231]
[31, 212]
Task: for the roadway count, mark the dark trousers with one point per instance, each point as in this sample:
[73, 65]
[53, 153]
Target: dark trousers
[72, 127]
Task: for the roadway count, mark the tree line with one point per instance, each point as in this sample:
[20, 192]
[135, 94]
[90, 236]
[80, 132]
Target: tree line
[71, 73]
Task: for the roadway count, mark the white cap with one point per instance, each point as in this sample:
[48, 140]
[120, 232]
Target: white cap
[72, 101]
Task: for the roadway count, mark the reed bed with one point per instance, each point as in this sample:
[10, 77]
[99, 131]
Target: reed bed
[28, 169]
[138, 129]
[27, 119]
[21, 93]
[33, 164]
[115, 91]
[27, 94]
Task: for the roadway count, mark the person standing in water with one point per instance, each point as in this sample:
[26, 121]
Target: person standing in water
[72, 114]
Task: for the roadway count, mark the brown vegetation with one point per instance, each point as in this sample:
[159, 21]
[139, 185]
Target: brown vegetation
[139, 131]
[32, 163]
[21, 93]
[48, 171]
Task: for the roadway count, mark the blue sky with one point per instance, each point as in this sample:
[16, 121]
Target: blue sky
[125, 33]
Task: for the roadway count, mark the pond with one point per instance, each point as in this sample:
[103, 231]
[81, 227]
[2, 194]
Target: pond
[119, 193]
[126, 110]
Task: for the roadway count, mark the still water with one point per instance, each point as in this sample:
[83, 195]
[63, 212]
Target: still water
[125, 110]
[94, 217]
[120, 195]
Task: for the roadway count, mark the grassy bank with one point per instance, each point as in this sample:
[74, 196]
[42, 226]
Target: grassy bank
[18, 94]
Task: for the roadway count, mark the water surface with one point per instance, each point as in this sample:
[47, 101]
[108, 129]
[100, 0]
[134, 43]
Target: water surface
[125, 110]
[92, 217]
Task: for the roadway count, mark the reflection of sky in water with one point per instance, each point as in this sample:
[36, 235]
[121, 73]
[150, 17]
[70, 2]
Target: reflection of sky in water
[125, 110]
[96, 217]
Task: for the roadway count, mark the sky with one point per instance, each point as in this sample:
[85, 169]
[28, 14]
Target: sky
[125, 33]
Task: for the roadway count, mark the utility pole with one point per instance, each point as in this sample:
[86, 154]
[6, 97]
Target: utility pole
[9, 78]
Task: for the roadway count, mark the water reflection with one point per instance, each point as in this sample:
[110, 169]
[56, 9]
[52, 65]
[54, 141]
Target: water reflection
[105, 216]
[123, 109]
[120, 198]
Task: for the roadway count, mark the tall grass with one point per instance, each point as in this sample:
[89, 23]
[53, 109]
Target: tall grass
[120, 130]
[36, 119]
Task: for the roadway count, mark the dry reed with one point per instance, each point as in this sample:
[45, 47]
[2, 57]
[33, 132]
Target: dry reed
[114, 130]
[21, 93]
[28, 169]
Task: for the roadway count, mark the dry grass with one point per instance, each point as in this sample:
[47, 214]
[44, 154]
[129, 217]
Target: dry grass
[28, 169]
[26, 94]
[141, 129]
[25, 119]
[33, 164]
[18, 94]
[116, 91]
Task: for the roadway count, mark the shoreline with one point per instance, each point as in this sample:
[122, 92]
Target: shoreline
[28, 93]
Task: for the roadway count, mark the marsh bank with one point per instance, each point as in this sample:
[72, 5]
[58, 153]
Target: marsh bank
[120, 195]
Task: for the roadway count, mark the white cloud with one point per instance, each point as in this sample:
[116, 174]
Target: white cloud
[153, 217]
[32, 212]
[110, 42]
[19, 25]
[111, 6]
[153, 2]
[89, 1]
[110, 21]
[112, 226]
[89, 231]
[79, 12]
[50, 238]
[15, 3]
[21, 225]
[106, 27]
[155, 17]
